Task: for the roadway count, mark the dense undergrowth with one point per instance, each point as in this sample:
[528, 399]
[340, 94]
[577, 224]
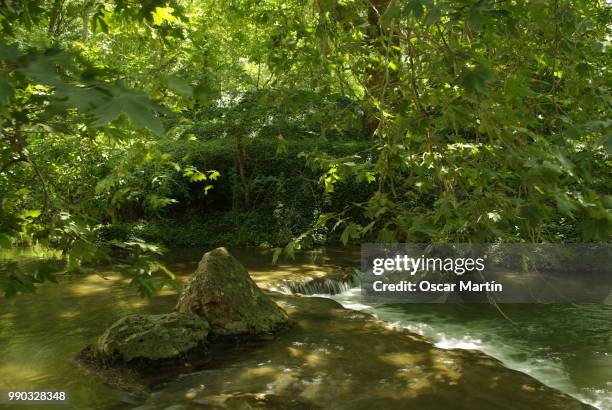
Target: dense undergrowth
[285, 197]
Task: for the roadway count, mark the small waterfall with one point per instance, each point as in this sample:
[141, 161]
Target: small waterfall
[333, 284]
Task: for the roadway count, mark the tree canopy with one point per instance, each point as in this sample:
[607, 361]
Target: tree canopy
[380, 120]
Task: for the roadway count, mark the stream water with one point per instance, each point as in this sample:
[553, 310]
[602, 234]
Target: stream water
[566, 347]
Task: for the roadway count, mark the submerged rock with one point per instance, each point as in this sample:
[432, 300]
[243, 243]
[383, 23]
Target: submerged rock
[222, 291]
[153, 337]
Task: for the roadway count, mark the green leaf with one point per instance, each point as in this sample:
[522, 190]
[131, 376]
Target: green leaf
[331, 178]
[477, 79]
[162, 14]
[564, 204]
[282, 146]
[414, 7]
[180, 86]
[276, 254]
[35, 213]
[82, 98]
[351, 231]
[158, 202]
[136, 105]
[194, 174]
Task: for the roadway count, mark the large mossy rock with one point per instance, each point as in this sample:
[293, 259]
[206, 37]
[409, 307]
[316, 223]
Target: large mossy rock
[222, 291]
[153, 337]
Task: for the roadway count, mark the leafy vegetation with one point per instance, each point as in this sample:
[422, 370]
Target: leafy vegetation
[293, 123]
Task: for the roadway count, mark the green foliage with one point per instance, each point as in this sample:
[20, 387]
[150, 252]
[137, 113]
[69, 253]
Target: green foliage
[286, 196]
[289, 123]
[485, 115]
[53, 102]
[134, 104]
[138, 261]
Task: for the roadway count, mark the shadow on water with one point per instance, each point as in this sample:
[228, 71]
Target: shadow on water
[342, 359]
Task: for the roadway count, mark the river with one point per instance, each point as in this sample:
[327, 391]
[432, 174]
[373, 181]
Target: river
[566, 347]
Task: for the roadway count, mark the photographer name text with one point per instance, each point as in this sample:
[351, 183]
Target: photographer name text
[426, 286]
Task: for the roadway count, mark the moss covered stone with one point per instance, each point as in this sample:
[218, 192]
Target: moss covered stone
[153, 337]
[222, 291]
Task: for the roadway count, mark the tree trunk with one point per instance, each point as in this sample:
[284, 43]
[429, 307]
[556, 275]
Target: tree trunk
[85, 17]
[55, 17]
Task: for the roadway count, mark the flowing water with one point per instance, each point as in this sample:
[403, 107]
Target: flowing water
[566, 347]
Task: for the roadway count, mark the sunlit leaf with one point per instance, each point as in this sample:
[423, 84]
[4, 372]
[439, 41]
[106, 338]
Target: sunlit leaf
[162, 14]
